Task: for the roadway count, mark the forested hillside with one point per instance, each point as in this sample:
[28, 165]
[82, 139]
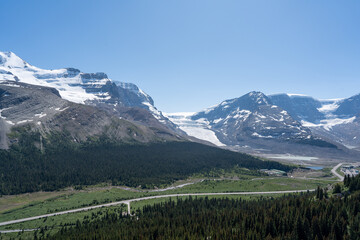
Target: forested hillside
[58, 162]
[289, 217]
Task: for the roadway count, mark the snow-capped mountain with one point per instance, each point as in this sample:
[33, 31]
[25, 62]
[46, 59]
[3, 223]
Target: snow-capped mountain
[27, 109]
[72, 84]
[253, 120]
[251, 116]
[281, 123]
[285, 124]
[334, 119]
[78, 87]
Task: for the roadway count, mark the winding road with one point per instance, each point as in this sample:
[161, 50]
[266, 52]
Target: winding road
[129, 201]
[333, 171]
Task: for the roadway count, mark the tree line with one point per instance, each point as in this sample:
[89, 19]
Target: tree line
[290, 217]
[25, 168]
[297, 217]
[352, 182]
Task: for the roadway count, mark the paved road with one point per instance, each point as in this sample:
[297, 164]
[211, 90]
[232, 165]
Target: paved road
[333, 171]
[127, 202]
[18, 230]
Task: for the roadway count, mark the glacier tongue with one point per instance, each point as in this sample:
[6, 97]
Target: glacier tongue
[195, 128]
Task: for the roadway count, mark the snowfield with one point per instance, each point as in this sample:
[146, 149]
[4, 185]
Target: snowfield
[328, 124]
[68, 82]
[198, 128]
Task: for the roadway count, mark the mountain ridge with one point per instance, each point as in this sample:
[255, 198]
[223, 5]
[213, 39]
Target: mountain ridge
[242, 124]
[41, 109]
[95, 89]
[252, 117]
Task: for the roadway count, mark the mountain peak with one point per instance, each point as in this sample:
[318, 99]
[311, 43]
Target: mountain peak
[257, 97]
[248, 102]
[11, 60]
[79, 87]
[256, 93]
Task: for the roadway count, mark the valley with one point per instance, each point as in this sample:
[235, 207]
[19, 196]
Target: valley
[221, 184]
[233, 183]
[179, 120]
[78, 146]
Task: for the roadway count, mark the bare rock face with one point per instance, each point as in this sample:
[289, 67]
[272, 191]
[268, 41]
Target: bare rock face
[349, 107]
[299, 107]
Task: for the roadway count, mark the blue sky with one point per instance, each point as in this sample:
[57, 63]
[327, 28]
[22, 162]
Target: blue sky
[189, 55]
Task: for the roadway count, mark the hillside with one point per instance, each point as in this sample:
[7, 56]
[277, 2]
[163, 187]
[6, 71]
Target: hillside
[41, 109]
[24, 168]
[73, 85]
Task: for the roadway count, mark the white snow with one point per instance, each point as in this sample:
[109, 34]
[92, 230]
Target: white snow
[329, 106]
[132, 87]
[69, 87]
[241, 114]
[261, 116]
[327, 124]
[195, 128]
[11, 60]
[70, 83]
[1, 110]
[24, 121]
[10, 122]
[61, 110]
[292, 157]
[331, 100]
[255, 134]
[218, 120]
[179, 114]
[9, 84]
[207, 110]
[296, 95]
[40, 115]
[156, 113]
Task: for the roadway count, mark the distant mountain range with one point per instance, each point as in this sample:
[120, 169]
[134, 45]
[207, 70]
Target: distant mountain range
[91, 104]
[257, 123]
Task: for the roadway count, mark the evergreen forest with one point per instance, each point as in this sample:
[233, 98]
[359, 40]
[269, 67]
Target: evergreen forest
[307, 216]
[60, 163]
